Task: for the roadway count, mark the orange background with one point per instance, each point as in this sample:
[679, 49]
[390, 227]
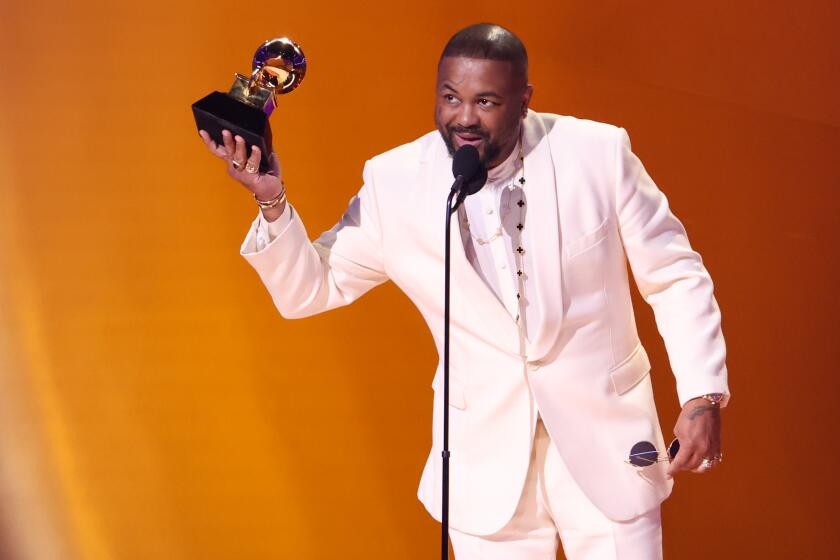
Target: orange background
[154, 405]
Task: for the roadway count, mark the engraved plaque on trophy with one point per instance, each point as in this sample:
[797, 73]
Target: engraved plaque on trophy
[278, 68]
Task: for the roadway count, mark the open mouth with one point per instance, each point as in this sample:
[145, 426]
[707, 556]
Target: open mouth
[464, 138]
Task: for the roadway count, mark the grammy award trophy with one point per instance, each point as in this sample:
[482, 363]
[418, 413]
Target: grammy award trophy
[278, 68]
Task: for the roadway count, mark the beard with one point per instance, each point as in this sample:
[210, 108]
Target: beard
[489, 151]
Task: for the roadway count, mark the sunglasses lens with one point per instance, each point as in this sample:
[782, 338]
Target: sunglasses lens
[673, 449]
[643, 454]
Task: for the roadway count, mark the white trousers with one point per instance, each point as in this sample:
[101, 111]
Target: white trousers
[552, 507]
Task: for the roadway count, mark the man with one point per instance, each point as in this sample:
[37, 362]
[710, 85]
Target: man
[550, 388]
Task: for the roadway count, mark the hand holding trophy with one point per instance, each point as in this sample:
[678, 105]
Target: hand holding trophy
[278, 68]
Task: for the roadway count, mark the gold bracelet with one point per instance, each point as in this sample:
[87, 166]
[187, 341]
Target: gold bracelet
[714, 398]
[267, 204]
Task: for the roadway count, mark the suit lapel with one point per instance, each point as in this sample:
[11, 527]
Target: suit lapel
[542, 218]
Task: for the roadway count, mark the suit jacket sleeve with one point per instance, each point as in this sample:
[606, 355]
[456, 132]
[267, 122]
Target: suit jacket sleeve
[305, 278]
[671, 278]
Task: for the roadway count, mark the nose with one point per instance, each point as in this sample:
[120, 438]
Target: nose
[468, 115]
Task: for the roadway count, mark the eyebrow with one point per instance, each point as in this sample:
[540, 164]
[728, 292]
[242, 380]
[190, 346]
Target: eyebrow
[480, 94]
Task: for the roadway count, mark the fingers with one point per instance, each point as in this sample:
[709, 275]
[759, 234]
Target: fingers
[253, 163]
[230, 146]
[216, 149]
[233, 149]
[234, 152]
[689, 458]
[683, 461]
[714, 458]
[239, 155]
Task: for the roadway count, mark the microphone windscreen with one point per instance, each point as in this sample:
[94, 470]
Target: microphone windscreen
[466, 162]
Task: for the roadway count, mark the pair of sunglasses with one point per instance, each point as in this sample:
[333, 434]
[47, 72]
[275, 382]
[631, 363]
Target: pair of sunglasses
[644, 453]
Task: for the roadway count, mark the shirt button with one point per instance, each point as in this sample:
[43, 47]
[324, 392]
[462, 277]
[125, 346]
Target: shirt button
[489, 210]
[534, 366]
[503, 266]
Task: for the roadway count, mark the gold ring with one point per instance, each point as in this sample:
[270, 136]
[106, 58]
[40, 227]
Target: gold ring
[251, 168]
[236, 165]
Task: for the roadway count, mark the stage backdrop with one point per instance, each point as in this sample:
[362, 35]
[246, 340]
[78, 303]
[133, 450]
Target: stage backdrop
[154, 405]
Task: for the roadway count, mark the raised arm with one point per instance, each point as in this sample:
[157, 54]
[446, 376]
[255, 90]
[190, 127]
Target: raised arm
[303, 277]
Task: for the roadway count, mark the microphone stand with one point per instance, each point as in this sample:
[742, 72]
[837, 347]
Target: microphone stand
[450, 209]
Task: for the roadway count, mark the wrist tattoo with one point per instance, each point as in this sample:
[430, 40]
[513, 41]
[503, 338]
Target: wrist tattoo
[701, 410]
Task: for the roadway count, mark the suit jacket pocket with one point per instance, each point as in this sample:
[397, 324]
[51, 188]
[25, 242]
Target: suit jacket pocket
[587, 240]
[630, 370]
[456, 390]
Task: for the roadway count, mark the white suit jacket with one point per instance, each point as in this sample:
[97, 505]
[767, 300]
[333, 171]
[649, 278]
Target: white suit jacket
[592, 208]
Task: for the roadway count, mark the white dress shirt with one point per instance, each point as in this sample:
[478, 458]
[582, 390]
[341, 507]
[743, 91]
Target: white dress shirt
[489, 222]
[496, 245]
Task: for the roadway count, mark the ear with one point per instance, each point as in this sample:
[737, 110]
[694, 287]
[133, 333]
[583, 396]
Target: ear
[526, 99]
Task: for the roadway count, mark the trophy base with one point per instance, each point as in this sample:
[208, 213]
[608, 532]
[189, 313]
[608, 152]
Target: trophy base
[219, 111]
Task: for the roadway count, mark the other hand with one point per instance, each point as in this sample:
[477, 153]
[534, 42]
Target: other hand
[698, 429]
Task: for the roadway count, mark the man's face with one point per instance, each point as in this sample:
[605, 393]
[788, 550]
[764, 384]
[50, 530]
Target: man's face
[480, 102]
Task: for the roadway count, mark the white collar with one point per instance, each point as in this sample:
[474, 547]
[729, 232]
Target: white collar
[504, 172]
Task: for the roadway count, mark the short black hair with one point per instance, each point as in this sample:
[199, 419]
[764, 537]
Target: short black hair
[489, 41]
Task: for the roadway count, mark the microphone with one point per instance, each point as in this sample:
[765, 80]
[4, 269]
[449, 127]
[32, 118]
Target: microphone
[470, 174]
